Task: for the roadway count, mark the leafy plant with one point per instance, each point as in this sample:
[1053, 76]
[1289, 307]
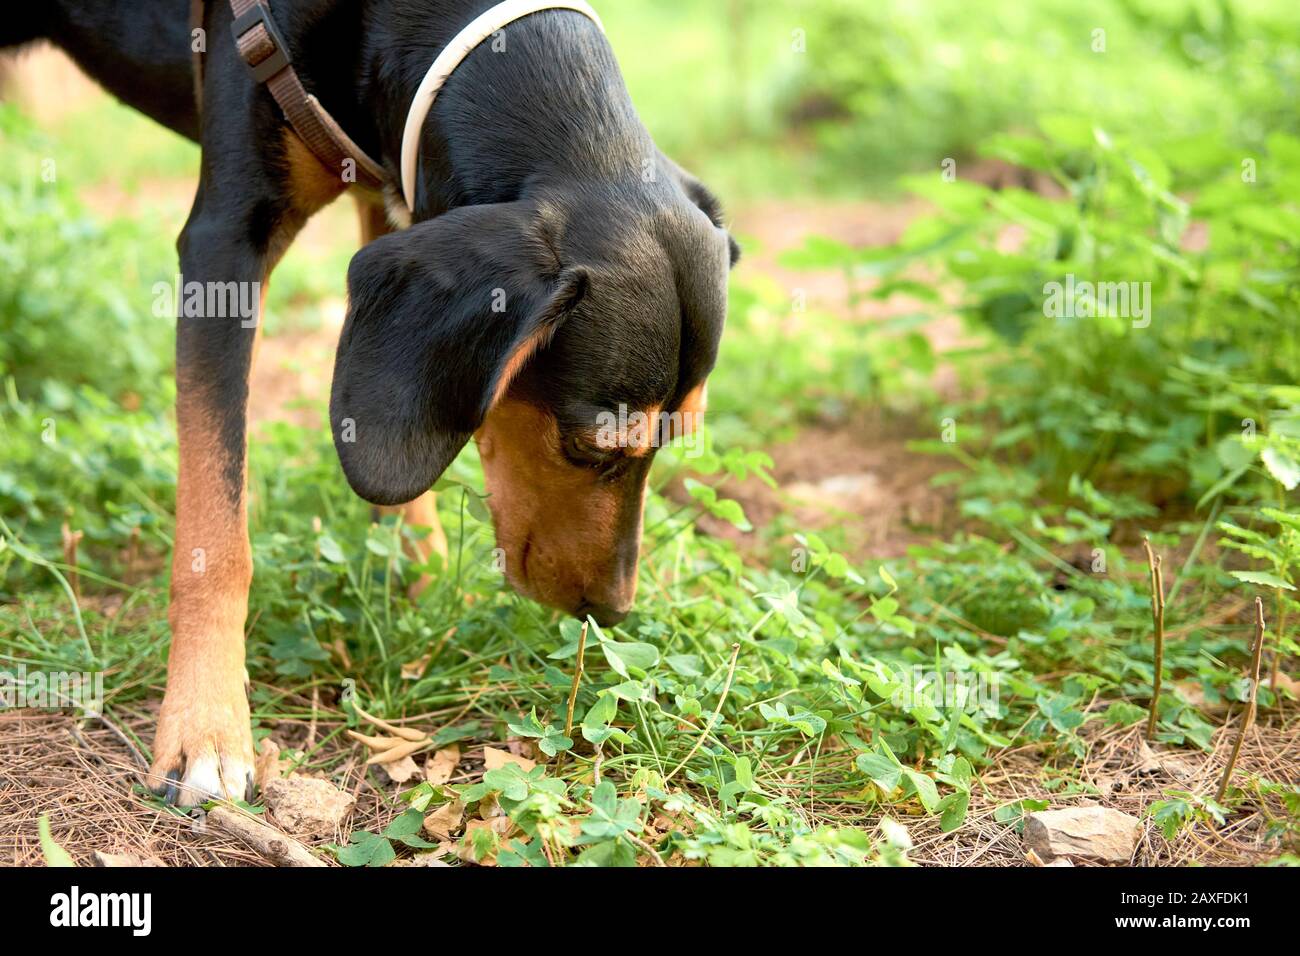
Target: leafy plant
[376, 849]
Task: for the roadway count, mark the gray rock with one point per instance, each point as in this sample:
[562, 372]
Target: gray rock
[1093, 833]
[307, 807]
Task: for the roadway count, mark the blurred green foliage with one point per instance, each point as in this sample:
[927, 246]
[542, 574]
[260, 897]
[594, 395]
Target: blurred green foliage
[1192, 381]
[893, 86]
[60, 321]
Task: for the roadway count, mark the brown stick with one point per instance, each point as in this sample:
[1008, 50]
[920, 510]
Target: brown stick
[1156, 566]
[280, 848]
[1248, 717]
[406, 733]
[577, 679]
[573, 699]
[659, 860]
[717, 712]
[375, 743]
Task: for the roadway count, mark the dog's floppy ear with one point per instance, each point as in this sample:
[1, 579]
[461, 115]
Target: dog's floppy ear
[440, 316]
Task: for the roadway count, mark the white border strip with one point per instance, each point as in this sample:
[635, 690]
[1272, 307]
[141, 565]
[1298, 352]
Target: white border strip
[461, 45]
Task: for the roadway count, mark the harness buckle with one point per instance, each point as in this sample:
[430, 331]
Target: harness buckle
[253, 47]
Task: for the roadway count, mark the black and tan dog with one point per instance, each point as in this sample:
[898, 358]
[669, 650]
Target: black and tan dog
[556, 266]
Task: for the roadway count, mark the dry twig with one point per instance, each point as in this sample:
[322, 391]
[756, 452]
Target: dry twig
[577, 679]
[717, 712]
[1156, 566]
[1248, 716]
[280, 848]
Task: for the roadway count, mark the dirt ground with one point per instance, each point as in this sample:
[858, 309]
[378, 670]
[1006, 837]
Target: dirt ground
[83, 775]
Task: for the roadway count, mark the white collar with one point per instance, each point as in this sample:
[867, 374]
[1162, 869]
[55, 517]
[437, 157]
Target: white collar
[461, 45]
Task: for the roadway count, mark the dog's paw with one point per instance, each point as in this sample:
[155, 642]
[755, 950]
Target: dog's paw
[204, 748]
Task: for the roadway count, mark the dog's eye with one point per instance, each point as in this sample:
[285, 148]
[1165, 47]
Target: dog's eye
[583, 451]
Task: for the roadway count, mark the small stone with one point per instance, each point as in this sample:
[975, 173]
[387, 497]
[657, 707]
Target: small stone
[1094, 833]
[307, 807]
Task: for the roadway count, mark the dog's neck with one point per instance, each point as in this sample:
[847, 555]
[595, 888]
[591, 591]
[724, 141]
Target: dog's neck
[545, 101]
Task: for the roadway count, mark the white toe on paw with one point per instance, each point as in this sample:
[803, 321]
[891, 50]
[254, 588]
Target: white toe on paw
[237, 778]
[207, 779]
[202, 782]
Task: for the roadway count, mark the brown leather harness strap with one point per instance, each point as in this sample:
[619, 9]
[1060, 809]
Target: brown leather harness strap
[262, 47]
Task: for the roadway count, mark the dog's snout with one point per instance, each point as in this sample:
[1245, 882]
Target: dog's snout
[603, 614]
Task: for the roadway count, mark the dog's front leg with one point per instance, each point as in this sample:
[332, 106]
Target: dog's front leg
[204, 747]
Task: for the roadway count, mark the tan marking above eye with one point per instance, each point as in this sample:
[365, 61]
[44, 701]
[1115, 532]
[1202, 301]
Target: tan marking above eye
[644, 433]
[633, 433]
[637, 432]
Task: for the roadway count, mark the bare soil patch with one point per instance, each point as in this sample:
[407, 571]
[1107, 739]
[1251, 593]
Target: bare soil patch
[858, 477]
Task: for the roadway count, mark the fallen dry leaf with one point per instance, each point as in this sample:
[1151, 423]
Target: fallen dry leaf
[439, 768]
[428, 857]
[1108, 783]
[1288, 683]
[522, 748]
[442, 822]
[501, 826]
[414, 670]
[341, 650]
[494, 759]
[1194, 694]
[1151, 761]
[466, 853]
[400, 771]
[489, 809]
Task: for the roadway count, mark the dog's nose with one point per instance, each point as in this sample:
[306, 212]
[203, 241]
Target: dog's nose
[604, 614]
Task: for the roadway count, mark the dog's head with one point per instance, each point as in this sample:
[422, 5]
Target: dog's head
[570, 334]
